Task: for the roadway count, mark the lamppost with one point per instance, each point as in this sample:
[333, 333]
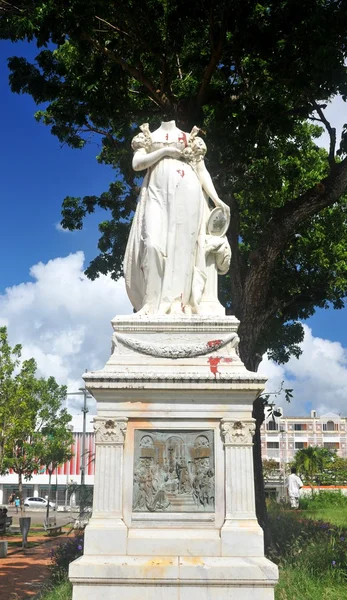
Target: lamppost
[69, 428]
[86, 396]
[283, 463]
[83, 453]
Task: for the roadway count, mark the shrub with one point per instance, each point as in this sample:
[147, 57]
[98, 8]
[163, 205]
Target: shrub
[58, 591]
[64, 554]
[318, 546]
[324, 499]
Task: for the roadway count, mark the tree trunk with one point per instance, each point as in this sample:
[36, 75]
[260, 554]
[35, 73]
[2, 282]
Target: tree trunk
[49, 494]
[259, 486]
[251, 362]
[20, 492]
[56, 488]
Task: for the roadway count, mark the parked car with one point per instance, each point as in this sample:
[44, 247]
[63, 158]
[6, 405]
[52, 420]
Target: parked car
[37, 502]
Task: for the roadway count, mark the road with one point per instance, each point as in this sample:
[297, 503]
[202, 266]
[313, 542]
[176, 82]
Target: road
[38, 515]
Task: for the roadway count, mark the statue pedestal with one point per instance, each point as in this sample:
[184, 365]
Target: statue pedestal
[174, 513]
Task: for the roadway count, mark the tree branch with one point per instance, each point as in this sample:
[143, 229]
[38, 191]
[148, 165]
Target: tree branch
[332, 135]
[112, 26]
[8, 6]
[137, 26]
[160, 99]
[216, 54]
[93, 129]
[179, 67]
[281, 227]
[233, 238]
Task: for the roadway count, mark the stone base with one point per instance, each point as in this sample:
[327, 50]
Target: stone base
[242, 538]
[105, 536]
[178, 379]
[172, 578]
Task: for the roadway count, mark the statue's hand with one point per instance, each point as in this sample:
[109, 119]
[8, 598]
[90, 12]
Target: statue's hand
[225, 208]
[173, 152]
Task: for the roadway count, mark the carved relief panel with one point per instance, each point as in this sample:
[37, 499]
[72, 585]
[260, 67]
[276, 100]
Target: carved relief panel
[174, 471]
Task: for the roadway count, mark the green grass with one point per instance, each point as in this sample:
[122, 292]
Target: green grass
[17, 534]
[337, 516]
[296, 584]
[15, 544]
[62, 591]
[297, 581]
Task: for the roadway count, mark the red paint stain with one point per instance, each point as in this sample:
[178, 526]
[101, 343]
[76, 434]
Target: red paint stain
[180, 172]
[214, 343]
[227, 360]
[183, 138]
[214, 362]
[167, 137]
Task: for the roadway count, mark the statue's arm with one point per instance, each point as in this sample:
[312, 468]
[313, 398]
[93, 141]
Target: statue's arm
[208, 187]
[143, 160]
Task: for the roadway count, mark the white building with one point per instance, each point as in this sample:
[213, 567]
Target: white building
[282, 437]
[67, 474]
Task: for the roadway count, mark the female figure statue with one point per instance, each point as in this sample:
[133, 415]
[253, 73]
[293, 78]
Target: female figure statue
[165, 262]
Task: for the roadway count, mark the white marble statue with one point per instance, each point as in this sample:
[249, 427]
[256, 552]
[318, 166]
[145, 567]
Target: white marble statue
[176, 244]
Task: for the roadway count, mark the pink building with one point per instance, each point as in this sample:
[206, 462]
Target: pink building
[283, 436]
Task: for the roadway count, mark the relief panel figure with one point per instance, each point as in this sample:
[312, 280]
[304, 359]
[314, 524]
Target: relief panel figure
[174, 471]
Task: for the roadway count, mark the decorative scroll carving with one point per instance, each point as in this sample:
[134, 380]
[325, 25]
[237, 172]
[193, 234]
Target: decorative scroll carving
[237, 433]
[174, 471]
[110, 431]
[176, 350]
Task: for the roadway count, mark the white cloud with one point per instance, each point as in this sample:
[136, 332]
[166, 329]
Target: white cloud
[58, 226]
[318, 377]
[62, 318]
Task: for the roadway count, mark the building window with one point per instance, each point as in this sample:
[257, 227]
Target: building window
[273, 444]
[272, 426]
[332, 445]
[300, 426]
[300, 445]
[330, 426]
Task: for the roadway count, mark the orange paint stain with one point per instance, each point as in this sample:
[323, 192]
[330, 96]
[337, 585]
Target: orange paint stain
[157, 567]
[194, 560]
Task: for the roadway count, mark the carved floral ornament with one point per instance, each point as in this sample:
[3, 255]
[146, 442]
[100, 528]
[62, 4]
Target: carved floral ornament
[110, 431]
[238, 433]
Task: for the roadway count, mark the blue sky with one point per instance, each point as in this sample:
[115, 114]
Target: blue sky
[36, 174]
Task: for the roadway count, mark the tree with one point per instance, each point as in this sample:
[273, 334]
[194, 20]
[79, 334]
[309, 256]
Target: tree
[57, 451]
[9, 361]
[334, 473]
[35, 424]
[250, 74]
[271, 468]
[16, 387]
[329, 469]
[56, 434]
[311, 461]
